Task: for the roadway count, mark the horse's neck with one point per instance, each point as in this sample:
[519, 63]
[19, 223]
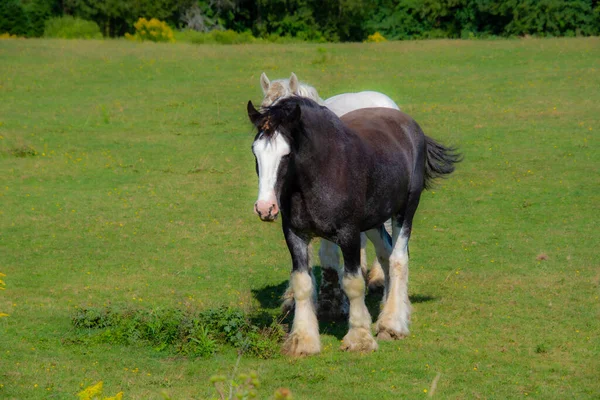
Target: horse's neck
[320, 142]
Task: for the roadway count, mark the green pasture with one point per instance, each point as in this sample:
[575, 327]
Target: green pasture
[127, 181]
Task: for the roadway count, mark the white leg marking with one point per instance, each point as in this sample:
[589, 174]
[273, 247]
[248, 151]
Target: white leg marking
[395, 316]
[359, 337]
[287, 305]
[304, 337]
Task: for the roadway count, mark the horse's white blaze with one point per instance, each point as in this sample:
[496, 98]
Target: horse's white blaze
[269, 152]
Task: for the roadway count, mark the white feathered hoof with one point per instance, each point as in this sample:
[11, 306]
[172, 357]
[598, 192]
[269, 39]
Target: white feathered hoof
[359, 339]
[387, 333]
[299, 344]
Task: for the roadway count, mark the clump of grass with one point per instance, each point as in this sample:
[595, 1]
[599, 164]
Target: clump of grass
[541, 348]
[23, 151]
[190, 334]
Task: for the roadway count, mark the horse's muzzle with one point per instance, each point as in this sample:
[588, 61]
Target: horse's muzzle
[267, 211]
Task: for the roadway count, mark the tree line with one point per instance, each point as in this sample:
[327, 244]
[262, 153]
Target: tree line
[320, 20]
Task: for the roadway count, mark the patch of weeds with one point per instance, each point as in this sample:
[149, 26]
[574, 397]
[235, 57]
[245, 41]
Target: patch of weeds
[243, 387]
[190, 334]
[23, 151]
[199, 342]
[264, 342]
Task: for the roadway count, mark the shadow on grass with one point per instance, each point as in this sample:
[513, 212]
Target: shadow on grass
[270, 297]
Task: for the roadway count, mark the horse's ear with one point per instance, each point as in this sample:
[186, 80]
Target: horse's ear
[295, 115]
[253, 114]
[264, 83]
[294, 85]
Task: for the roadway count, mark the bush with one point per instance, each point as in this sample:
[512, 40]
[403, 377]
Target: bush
[68, 27]
[38, 12]
[151, 30]
[13, 18]
[376, 38]
[215, 37]
[6, 35]
[549, 17]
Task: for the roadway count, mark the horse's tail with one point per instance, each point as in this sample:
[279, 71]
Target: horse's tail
[439, 161]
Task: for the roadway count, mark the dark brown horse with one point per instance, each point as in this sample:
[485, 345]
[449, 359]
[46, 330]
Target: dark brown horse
[334, 179]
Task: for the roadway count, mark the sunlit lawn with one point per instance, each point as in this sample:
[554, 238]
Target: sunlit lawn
[126, 180]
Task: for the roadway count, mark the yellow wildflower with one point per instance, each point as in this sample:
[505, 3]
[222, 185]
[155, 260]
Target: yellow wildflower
[91, 391]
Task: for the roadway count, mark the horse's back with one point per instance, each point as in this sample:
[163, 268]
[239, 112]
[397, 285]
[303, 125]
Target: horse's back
[348, 102]
[393, 157]
[388, 129]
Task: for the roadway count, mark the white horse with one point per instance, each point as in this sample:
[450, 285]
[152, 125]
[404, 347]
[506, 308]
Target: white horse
[340, 104]
[331, 298]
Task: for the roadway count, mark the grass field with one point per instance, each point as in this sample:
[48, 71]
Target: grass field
[126, 180]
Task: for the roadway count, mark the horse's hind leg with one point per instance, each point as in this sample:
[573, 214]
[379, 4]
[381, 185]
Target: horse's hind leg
[383, 249]
[333, 304]
[395, 316]
[376, 276]
[359, 337]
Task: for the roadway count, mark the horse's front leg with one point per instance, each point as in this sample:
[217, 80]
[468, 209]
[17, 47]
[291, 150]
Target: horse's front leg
[304, 337]
[359, 337]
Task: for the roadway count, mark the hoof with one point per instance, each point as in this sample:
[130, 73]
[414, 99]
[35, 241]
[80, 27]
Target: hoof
[300, 344]
[359, 339]
[391, 334]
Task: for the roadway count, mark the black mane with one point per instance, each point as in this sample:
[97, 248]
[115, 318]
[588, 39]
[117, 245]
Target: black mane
[275, 117]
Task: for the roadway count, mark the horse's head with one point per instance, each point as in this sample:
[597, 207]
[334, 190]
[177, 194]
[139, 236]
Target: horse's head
[278, 89]
[283, 88]
[272, 149]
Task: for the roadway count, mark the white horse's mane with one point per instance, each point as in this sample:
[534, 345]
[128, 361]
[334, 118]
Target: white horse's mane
[282, 88]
